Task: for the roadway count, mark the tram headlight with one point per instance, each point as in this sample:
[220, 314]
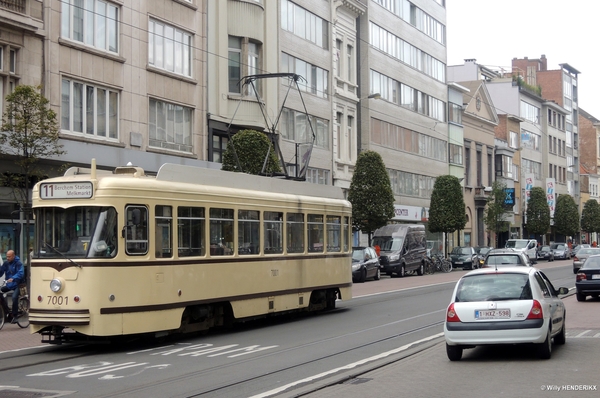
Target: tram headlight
[56, 285]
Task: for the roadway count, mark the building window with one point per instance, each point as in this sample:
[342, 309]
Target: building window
[170, 126]
[92, 22]
[404, 139]
[304, 24]
[13, 61]
[295, 127]
[467, 165]
[315, 79]
[244, 60]
[404, 183]
[350, 137]
[350, 56]
[530, 140]
[89, 110]
[530, 112]
[169, 48]
[454, 113]
[456, 154]
[219, 145]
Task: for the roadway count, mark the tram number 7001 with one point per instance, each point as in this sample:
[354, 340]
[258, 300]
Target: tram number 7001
[58, 300]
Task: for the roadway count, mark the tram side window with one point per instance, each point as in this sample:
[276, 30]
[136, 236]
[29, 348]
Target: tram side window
[346, 233]
[163, 235]
[315, 233]
[221, 232]
[248, 232]
[273, 224]
[295, 233]
[190, 223]
[137, 230]
[334, 233]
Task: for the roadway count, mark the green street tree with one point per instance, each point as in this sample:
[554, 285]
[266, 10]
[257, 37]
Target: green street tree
[370, 194]
[538, 212]
[251, 148]
[447, 206]
[566, 216]
[590, 216]
[28, 135]
[495, 214]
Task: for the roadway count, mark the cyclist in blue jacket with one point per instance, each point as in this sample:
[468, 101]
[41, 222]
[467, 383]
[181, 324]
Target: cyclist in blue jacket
[14, 274]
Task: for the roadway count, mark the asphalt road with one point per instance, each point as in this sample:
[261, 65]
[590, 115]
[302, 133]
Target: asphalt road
[384, 342]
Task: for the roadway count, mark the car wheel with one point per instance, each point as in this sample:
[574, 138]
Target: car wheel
[421, 269]
[454, 352]
[377, 275]
[580, 297]
[561, 337]
[544, 350]
[402, 272]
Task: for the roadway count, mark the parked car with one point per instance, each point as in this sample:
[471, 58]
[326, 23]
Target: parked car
[482, 251]
[582, 256]
[545, 253]
[527, 246]
[561, 251]
[515, 305]
[403, 248]
[464, 257]
[587, 282]
[506, 258]
[365, 264]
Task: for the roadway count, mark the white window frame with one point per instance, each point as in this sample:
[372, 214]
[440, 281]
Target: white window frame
[93, 100]
[167, 133]
[169, 48]
[92, 16]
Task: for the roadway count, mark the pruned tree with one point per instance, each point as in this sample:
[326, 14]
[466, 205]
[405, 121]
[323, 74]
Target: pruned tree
[590, 216]
[247, 152]
[370, 194]
[496, 213]
[566, 216]
[447, 207]
[538, 212]
[28, 135]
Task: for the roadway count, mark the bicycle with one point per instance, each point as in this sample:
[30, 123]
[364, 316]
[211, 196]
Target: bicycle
[437, 263]
[23, 312]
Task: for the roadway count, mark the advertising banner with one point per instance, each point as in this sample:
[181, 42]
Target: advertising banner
[551, 195]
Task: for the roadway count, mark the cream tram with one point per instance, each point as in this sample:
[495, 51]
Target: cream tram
[124, 253]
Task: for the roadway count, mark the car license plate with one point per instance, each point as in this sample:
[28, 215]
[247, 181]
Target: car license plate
[458, 262]
[596, 276]
[492, 314]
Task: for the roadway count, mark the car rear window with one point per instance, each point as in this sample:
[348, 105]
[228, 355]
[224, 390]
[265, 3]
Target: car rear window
[493, 287]
[504, 259]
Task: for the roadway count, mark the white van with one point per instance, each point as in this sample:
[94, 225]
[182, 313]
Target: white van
[527, 246]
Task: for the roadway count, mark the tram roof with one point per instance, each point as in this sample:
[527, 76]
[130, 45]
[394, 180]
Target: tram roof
[205, 176]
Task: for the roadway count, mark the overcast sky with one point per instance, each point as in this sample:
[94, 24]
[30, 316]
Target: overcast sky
[496, 32]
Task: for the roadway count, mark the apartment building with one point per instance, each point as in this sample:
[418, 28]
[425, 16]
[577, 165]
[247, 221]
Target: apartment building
[402, 62]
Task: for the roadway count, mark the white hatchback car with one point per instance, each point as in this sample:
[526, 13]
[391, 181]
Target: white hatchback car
[508, 305]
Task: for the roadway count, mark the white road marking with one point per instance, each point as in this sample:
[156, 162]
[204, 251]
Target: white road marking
[346, 367]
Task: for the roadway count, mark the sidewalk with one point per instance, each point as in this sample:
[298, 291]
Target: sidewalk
[12, 337]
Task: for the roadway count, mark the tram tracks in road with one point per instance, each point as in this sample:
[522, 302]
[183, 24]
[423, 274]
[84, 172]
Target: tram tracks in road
[225, 389]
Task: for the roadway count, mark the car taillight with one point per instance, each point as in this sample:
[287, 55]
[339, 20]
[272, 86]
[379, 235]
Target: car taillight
[580, 277]
[451, 315]
[536, 311]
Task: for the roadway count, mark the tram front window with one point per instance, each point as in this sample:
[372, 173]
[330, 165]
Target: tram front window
[76, 232]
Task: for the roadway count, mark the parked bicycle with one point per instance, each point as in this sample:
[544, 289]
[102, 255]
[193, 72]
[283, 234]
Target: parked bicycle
[23, 315]
[437, 263]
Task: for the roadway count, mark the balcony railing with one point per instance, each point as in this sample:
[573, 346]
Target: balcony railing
[13, 5]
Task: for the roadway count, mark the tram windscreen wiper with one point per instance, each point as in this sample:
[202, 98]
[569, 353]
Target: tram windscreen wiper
[54, 249]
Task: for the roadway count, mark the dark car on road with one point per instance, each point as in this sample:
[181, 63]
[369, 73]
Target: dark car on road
[482, 251]
[365, 264]
[582, 255]
[587, 281]
[545, 253]
[464, 257]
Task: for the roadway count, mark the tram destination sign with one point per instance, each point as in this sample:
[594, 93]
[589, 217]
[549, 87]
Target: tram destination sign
[66, 190]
